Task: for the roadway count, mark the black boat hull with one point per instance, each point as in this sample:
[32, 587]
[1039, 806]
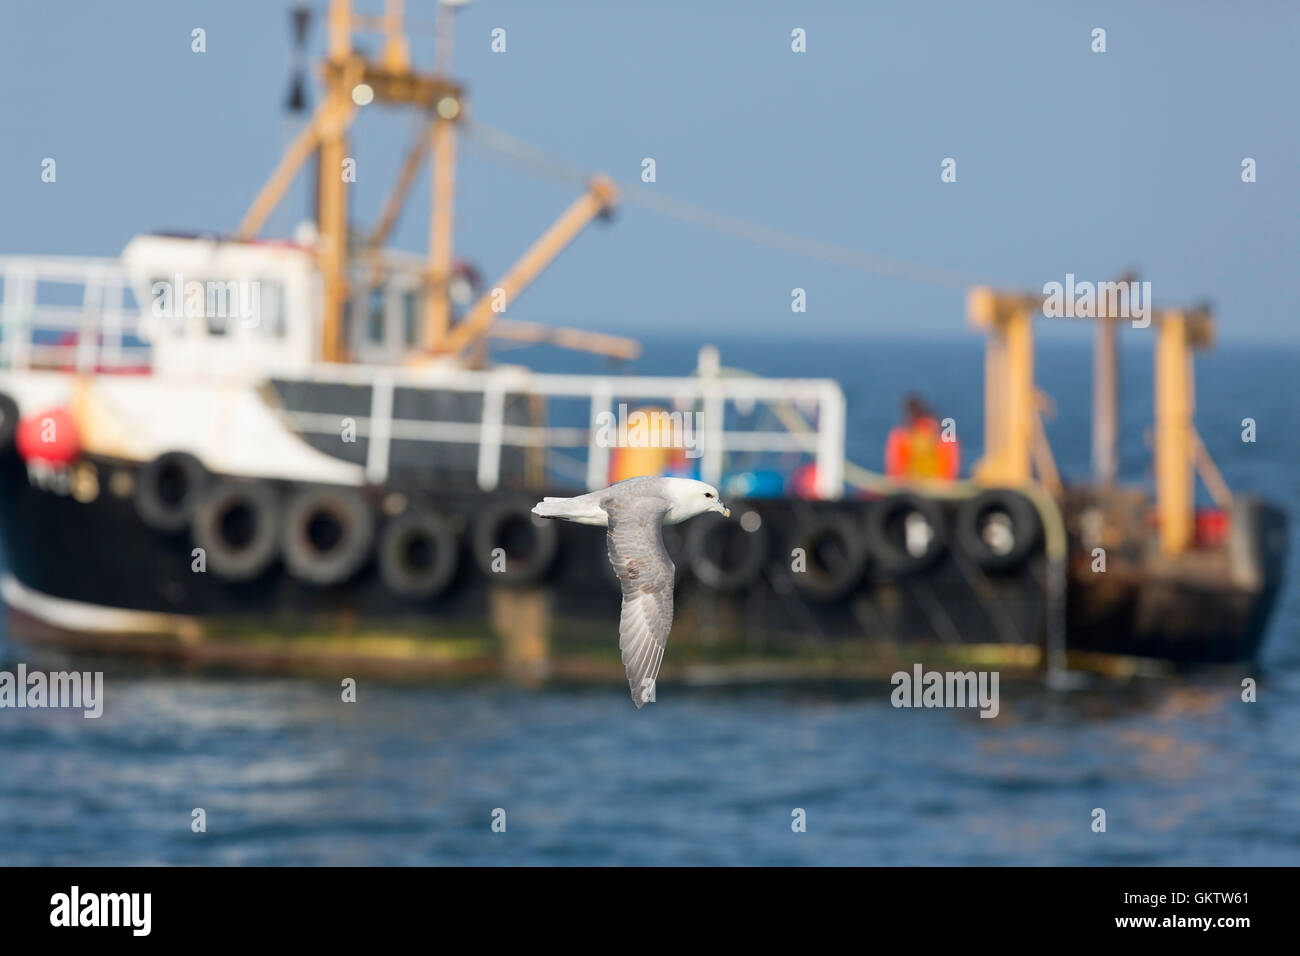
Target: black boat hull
[87, 575]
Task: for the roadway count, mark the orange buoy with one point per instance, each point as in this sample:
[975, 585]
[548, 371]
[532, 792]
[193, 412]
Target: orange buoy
[650, 442]
[50, 436]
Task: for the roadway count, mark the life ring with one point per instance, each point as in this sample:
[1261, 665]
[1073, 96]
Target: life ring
[168, 490]
[511, 545]
[892, 540]
[835, 557]
[327, 534]
[235, 525]
[997, 529]
[725, 555]
[417, 554]
[8, 422]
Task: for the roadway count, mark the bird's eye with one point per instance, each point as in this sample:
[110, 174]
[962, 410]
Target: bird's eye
[708, 494]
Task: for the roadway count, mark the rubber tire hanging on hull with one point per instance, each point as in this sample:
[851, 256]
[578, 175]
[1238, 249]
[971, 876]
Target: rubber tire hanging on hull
[404, 573]
[8, 422]
[891, 556]
[235, 525]
[168, 490]
[498, 527]
[709, 550]
[968, 529]
[327, 535]
[822, 581]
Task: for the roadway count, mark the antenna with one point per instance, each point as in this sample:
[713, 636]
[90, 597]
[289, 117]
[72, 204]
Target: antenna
[296, 101]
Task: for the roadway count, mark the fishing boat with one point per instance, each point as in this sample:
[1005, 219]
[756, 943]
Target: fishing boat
[299, 455]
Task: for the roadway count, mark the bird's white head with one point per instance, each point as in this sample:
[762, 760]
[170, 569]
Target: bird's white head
[691, 498]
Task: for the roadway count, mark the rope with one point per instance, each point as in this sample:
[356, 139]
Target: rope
[536, 160]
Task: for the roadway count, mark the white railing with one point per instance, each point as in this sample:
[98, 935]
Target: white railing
[91, 334]
[711, 395]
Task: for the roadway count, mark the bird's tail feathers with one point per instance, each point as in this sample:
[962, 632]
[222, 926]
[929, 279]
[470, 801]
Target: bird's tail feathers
[551, 507]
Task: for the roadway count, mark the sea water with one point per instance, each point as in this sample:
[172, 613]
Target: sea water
[285, 773]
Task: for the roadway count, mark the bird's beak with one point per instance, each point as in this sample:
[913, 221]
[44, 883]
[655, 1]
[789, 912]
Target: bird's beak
[726, 512]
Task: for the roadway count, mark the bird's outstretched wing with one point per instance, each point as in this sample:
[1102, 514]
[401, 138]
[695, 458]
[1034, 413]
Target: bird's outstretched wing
[637, 552]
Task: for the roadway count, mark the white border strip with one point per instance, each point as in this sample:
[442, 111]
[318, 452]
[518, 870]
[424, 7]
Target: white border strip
[92, 618]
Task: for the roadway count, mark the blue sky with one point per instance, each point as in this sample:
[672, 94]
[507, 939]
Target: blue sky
[1067, 160]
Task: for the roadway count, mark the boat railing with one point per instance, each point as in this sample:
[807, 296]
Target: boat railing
[68, 312]
[709, 397]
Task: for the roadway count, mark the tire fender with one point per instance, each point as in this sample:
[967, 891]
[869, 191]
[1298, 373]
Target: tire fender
[839, 541]
[168, 490]
[971, 529]
[710, 546]
[888, 547]
[235, 525]
[327, 534]
[506, 525]
[410, 576]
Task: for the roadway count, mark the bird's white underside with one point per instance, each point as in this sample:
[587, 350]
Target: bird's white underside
[635, 512]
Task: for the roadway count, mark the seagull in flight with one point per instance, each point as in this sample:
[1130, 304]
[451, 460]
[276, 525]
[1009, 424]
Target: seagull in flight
[635, 511]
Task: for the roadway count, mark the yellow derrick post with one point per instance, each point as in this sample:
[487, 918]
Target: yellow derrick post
[442, 175]
[580, 340]
[1021, 404]
[332, 245]
[437, 303]
[397, 52]
[1010, 400]
[1175, 441]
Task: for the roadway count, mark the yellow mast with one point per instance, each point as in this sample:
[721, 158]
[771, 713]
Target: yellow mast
[352, 79]
[1174, 477]
[1010, 405]
[1010, 400]
[442, 170]
[332, 247]
[1178, 447]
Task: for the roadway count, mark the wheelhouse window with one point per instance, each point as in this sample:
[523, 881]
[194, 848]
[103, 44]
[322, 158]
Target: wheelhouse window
[271, 308]
[411, 301]
[375, 316]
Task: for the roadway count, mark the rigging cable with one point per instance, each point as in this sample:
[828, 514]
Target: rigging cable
[532, 157]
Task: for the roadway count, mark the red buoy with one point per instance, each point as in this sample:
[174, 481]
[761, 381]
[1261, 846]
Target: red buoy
[50, 436]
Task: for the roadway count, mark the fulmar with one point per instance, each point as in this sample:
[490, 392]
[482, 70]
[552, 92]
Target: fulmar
[635, 511]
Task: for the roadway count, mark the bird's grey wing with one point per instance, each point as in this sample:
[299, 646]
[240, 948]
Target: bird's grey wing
[637, 552]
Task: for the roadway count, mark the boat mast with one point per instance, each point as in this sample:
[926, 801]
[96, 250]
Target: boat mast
[442, 173]
[351, 80]
[338, 111]
[1015, 442]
